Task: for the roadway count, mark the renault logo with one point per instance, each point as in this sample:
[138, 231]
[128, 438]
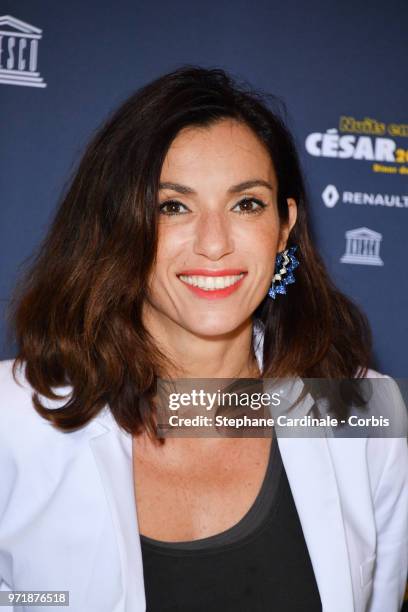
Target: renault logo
[330, 196]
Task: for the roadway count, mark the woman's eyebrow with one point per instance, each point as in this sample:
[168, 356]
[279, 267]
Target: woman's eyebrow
[234, 189]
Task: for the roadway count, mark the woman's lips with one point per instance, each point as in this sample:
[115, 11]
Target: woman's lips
[217, 292]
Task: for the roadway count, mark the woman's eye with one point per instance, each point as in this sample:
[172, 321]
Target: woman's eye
[172, 207]
[250, 206]
[245, 206]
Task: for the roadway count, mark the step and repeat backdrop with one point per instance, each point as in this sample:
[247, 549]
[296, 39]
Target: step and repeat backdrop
[340, 69]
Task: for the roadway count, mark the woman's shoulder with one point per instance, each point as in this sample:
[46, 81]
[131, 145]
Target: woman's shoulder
[22, 429]
[387, 454]
[375, 374]
[388, 399]
[25, 437]
[33, 451]
[16, 405]
[378, 450]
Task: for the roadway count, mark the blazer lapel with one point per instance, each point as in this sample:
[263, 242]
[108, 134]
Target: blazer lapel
[311, 476]
[113, 454]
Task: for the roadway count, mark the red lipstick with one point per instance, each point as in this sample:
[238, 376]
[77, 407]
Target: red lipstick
[213, 294]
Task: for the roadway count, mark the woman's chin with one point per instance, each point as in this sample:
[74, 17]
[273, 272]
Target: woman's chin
[215, 327]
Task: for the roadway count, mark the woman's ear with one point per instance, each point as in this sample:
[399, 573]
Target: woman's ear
[286, 228]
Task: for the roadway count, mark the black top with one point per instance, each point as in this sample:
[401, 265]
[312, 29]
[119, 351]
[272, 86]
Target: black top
[261, 564]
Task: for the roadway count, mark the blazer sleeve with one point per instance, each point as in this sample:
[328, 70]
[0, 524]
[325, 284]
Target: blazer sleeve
[390, 498]
[8, 471]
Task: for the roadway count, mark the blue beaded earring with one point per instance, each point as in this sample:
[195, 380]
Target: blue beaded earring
[285, 263]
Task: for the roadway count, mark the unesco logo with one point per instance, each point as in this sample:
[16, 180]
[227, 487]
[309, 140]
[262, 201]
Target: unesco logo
[362, 247]
[19, 53]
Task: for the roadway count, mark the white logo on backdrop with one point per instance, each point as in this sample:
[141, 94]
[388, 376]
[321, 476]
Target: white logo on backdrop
[19, 53]
[350, 146]
[363, 247]
[330, 196]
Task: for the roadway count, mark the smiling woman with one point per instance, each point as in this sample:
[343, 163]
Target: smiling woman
[191, 176]
[218, 237]
[172, 255]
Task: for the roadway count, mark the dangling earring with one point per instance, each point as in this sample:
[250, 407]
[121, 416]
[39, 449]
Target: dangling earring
[285, 263]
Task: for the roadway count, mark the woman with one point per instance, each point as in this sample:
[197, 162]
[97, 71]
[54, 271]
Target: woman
[172, 256]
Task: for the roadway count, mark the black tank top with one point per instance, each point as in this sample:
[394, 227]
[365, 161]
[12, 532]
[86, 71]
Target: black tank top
[261, 564]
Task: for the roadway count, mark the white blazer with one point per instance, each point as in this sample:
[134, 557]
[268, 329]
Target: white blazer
[68, 518]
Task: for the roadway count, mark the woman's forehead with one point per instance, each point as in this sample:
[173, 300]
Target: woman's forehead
[227, 147]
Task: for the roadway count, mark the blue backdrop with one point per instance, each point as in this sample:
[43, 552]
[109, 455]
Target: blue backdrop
[338, 66]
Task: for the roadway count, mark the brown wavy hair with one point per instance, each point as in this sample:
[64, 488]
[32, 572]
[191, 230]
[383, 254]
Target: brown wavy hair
[76, 311]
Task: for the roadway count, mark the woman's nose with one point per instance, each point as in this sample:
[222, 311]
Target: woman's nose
[213, 237]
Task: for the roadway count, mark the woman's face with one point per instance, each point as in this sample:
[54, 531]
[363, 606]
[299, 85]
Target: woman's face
[219, 230]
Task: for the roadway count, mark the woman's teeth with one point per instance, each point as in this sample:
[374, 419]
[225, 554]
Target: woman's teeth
[209, 283]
